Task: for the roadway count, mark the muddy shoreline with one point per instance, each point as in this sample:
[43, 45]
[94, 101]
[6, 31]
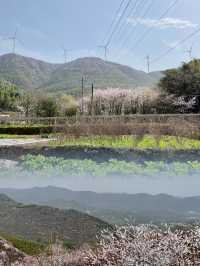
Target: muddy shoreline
[100, 154]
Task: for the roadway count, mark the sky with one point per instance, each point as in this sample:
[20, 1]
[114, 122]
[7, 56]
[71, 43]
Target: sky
[45, 27]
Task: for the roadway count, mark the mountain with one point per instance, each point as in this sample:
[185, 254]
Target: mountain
[30, 74]
[41, 223]
[112, 207]
[25, 72]
[104, 74]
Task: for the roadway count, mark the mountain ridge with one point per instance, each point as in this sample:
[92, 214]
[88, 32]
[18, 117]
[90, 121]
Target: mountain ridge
[30, 74]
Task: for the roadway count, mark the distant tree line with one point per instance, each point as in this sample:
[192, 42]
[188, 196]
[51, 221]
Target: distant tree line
[14, 99]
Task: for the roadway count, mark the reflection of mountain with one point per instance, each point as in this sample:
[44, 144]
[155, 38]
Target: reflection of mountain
[40, 223]
[112, 207]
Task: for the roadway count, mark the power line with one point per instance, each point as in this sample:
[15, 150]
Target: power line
[114, 19]
[118, 23]
[173, 48]
[132, 11]
[172, 5]
[135, 26]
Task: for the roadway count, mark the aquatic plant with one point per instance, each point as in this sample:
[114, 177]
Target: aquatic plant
[73, 167]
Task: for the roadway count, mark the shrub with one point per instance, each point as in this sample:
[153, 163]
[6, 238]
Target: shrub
[67, 105]
[46, 107]
[26, 246]
[9, 96]
[146, 245]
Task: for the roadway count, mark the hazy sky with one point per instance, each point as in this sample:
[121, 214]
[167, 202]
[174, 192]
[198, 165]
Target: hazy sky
[44, 26]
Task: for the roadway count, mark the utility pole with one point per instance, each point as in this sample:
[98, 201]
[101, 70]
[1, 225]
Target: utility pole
[92, 100]
[83, 80]
[105, 48]
[148, 63]
[82, 94]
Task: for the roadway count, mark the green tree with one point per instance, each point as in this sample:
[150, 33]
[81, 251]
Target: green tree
[46, 107]
[67, 105]
[27, 102]
[183, 81]
[9, 96]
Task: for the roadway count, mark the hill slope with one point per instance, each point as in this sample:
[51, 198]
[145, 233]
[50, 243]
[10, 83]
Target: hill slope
[41, 223]
[30, 73]
[104, 74]
[26, 72]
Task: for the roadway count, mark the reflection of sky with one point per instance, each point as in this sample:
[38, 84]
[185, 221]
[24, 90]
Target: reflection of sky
[177, 185]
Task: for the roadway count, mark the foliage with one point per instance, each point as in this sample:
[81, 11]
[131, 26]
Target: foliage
[182, 81]
[25, 130]
[46, 107]
[28, 103]
[112, 167]
[29, 247]
[9, 96]
[67, 105]
[41, 105]
[67, 244]
[143, 142]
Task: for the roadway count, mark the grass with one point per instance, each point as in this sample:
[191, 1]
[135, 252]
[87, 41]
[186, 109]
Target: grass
[9, 136]
[15, 136]
[29, 247]
[143, 142]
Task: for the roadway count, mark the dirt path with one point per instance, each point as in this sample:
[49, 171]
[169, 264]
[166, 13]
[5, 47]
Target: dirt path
[18, 142]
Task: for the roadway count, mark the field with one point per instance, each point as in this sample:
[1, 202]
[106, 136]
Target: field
[137, 142]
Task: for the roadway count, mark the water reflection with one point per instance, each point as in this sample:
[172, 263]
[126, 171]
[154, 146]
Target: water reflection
[178, 185]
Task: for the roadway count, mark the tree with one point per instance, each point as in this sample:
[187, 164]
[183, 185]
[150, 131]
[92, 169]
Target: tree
[9, 96]
[46, 107]
[183, 81]
[67, 105]
[27, 102]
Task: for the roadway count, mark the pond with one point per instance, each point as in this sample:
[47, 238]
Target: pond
[179, 178]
